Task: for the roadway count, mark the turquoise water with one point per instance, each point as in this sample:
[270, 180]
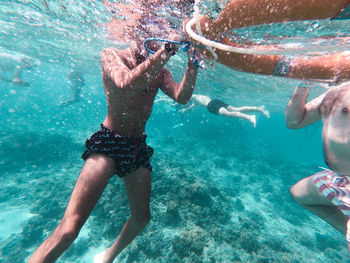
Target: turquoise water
[220, 188]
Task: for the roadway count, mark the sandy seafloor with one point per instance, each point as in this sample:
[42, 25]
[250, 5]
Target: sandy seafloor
[220, 188]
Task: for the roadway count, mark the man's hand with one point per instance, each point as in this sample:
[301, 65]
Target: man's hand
[170, 48]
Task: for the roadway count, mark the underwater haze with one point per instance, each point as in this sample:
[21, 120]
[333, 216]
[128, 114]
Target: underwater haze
[220, 187]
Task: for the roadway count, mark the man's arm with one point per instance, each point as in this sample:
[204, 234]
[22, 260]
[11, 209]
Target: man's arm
[137, 79]
[182, 92]
[298, 113]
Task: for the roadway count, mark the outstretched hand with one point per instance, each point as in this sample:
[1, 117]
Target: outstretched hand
[194, 58]
[171, 48]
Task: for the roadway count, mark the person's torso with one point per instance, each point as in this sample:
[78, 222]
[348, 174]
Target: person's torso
[336, 134]
[127, 113]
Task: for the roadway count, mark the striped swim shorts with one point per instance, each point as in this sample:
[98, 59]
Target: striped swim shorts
[128, 153]
[337, 189]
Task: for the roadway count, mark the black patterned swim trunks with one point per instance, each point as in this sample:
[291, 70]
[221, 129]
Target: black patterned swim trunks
[215, 105]
[128, 153]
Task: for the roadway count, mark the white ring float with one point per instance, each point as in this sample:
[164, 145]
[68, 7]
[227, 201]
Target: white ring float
[260, 49]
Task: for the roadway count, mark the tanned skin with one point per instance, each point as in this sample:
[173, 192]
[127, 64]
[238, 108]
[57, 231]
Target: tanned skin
[333, 108]
[131, 82]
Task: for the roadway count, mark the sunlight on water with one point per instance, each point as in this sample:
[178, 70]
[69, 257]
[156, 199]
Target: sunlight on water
[63, 33]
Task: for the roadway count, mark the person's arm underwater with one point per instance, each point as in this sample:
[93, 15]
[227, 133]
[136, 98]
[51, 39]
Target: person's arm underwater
[182, 92]
[298, 113]
[242, 13]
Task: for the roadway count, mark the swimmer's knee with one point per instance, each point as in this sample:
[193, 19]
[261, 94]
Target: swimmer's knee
[294, 193]
[145, 218]
[142, 219]
[298, 192]
[305, 192]
[69, 228]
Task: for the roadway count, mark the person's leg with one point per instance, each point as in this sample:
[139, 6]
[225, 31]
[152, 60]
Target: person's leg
[237, 114]
[138, 188]
[262, 109]
[90, 185]
[306, 193]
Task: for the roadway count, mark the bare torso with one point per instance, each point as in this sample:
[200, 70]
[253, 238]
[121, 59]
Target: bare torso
[336, 134]
[127, 115]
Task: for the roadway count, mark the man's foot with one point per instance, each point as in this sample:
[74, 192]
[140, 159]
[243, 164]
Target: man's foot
[252, 119]
[264, 111]
[99, 257]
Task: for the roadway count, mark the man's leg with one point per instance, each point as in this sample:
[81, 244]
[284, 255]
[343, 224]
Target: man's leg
[237, 114]
[92, 180]
[306, 193]
[262, 109]
[138, 188]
